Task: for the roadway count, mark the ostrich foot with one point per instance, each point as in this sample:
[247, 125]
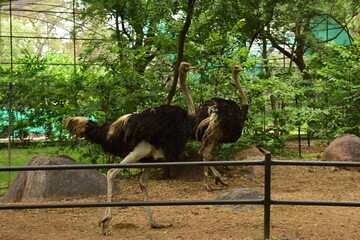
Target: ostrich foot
[218, 180]
[104, 224]
[157, 225]
[152, 222]
[210, 187]
[217, 176]
[214, 188]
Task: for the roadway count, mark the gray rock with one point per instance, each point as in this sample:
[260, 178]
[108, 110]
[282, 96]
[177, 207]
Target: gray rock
[240, 194]
[56, 184]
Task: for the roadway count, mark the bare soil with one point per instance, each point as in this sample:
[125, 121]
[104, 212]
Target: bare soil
[205, 222]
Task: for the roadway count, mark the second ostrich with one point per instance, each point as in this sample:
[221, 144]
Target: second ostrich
[158, 133]
[219, 120]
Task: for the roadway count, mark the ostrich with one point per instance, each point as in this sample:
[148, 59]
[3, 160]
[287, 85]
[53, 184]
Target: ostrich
[219, 120]
[158, 133]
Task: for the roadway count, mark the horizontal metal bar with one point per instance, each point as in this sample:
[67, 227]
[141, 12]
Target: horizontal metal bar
[178, 203]
[132, 204]
[40, 11]
[315, 203]
[174, 164]
[54, 38]
[130, 165]
[12, 85]
[315, 163]
[50, 64]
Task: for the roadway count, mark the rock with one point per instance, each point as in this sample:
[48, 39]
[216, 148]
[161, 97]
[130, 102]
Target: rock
[249, 153]
[193, 173]
[345, 148]
[240, 194]
[47, 185]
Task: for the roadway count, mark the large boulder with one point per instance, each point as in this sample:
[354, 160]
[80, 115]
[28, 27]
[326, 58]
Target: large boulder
[345, 148]
[240, 194]
[187, 173]
[249, 153]
[44, 185]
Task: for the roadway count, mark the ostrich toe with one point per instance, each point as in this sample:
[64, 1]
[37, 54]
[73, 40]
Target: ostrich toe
[104, 224]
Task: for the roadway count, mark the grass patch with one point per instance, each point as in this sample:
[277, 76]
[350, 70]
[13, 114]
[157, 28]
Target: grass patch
[313, 155]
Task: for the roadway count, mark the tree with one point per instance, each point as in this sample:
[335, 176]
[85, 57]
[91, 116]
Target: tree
[336, 91]
[287, 24]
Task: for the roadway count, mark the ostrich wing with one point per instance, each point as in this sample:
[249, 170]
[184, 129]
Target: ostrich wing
[166, 127]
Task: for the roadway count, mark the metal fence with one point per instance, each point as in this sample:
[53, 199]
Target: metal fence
[267, 201]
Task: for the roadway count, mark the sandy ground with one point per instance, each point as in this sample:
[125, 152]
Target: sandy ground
[206, 222]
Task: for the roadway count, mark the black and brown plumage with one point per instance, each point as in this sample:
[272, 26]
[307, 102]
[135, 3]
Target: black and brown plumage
[218, 120]
[158, 133]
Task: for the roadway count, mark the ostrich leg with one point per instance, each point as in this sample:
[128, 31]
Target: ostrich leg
[142, 150]
[205, 152]
[105, 222]
[144, 180]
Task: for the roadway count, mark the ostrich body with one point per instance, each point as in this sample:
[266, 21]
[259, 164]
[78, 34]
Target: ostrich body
[224, 114]
[219, 121]
[158, 133]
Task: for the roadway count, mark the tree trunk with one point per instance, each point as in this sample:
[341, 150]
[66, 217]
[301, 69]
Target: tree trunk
[182, 37]
[275, 121]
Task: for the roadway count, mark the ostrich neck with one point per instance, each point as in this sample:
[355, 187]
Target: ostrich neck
[242, 92]
[185, 89]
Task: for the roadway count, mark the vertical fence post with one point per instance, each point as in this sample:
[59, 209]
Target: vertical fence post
[10, 121]
[74, 36]
[10, 90]
[267, 193]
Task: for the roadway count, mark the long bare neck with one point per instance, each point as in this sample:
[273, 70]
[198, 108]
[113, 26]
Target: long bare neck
[238, 85]
[185, 89]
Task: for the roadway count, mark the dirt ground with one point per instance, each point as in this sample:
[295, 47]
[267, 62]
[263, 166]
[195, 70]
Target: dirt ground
[205, 222]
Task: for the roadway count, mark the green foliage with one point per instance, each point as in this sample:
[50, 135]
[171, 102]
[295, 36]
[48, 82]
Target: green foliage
[131, 69]
[37, 96]
[336, 90]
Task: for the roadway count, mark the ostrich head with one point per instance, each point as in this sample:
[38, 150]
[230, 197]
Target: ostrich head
[185, 67]
[76, 125]
[237, 69]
